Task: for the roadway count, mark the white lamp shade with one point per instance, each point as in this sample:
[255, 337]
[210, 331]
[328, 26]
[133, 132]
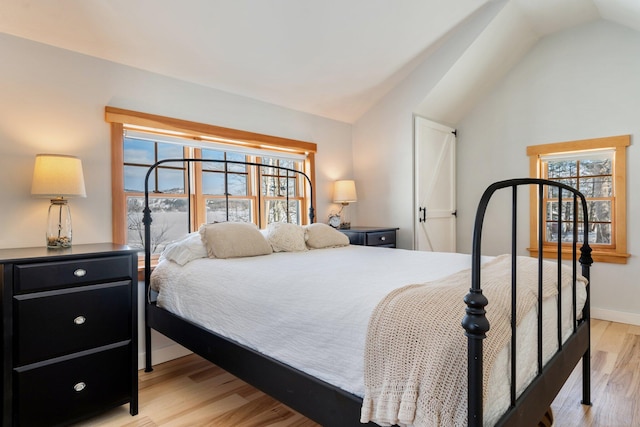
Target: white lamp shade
[344, 191]
[57, 175]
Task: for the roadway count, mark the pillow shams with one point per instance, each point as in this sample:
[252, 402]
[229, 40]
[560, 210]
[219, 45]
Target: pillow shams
[186, 249]
[323, 236]
[233, 240]
[286, 237]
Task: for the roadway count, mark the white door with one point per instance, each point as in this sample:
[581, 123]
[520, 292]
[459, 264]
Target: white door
[435, 186]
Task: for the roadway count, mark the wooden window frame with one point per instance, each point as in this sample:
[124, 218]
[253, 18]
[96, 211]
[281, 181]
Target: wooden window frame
[617, 253]
[121, 119]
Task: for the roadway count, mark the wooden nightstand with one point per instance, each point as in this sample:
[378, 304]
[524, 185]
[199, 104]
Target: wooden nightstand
[372, 236]
[69, 333]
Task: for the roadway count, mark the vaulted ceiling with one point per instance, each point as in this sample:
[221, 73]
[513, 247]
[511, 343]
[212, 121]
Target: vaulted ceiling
[333, 58]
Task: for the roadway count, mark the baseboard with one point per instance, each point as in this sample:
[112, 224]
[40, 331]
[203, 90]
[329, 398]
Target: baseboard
[164, 354]
[616, 316]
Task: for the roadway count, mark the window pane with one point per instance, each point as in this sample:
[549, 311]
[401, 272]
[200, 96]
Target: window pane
[134, 178]
[237, 184]
[596, 187]
[561, 168]
[138, 151]
[277, 211]
[291, 164]
[599, 211]
[238, 158]
[277, 187]
[170, 151]
[213, 183]
[169, 221]
[600, 233]
[214, 155]
[239, 210]
[171, 181]
[552, 192]
[287, 164]
[595, 167]
[566, 232]
[552, 211]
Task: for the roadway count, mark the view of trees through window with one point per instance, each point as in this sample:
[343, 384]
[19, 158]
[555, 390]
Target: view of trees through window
[221, 191]
[591, 175]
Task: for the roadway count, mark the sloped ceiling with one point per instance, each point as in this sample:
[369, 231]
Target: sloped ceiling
[514, 30]
[333, 58]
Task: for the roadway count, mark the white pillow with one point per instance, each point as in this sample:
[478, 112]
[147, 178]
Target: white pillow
[324, 236]
[233, 240]
[186, 249]
[286, 237]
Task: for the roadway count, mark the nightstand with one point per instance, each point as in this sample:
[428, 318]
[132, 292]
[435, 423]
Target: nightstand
[69, 324]
[372, 236]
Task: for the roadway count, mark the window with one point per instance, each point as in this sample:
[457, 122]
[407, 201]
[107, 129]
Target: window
[256, 194]
[595, 167]
[168, 199]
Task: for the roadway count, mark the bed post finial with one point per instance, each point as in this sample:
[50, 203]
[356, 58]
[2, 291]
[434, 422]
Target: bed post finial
[585, 257]
[476, 326]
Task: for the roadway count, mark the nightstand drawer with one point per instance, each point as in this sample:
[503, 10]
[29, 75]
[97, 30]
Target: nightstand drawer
[73, 388]
[382, 238]
[53, 323]
[51, 275]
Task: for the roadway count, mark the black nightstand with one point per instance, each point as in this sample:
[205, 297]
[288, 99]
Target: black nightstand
[372, 236]
[69, 323]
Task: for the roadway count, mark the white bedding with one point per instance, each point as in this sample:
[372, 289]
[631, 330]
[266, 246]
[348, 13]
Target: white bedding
[311, 309]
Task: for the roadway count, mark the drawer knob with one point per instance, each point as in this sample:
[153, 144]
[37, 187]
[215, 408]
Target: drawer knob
[79, 320]
[79, 386]
[383, 238]
[80, 272]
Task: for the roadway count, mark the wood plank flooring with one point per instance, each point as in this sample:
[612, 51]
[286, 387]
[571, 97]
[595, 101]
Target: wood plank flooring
[192, 392]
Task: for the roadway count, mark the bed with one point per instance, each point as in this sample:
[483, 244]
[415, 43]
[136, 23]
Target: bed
[312, 346]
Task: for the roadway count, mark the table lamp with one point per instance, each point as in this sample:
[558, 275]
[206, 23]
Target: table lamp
[56, 177]
[344, 192]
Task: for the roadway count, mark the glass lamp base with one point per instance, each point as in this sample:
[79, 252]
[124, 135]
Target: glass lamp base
[345, 220]
[59, 225]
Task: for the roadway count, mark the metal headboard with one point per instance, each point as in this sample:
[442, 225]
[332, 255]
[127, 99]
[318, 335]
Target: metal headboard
[146, 219]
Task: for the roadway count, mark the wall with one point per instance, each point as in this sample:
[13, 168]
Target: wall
[383, 137]
[578, 84]
[52, 101]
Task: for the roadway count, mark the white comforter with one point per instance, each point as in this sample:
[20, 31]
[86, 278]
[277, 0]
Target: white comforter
[311, 309]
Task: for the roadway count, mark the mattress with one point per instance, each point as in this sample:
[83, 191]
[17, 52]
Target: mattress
[311, 309]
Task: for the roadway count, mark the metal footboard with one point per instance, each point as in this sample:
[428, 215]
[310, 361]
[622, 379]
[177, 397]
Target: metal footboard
[550, 378]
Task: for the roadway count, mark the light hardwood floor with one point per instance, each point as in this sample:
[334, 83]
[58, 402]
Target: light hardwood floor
[192, 392]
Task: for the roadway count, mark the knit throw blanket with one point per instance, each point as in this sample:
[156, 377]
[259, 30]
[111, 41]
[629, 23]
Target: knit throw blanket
[416, 351]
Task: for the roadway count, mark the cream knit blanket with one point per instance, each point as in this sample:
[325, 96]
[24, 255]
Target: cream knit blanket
[416, 351]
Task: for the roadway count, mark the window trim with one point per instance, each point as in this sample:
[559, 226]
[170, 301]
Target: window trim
[617, 254]
[151, 123]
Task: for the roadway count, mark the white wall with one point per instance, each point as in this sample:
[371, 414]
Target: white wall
[578, 84]
[383, 137]
[52, 101]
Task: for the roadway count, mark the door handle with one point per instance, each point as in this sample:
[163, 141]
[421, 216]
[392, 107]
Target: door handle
[422, 211]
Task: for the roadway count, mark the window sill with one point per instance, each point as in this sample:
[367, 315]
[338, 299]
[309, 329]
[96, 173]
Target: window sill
[154, 263]
[598, 256]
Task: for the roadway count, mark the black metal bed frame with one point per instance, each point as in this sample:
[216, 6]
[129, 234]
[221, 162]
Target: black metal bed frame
[331, 406]
[537, 397]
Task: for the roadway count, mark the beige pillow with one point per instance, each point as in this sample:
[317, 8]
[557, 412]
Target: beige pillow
[323, 236]
[233, 240]
[286, 237]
